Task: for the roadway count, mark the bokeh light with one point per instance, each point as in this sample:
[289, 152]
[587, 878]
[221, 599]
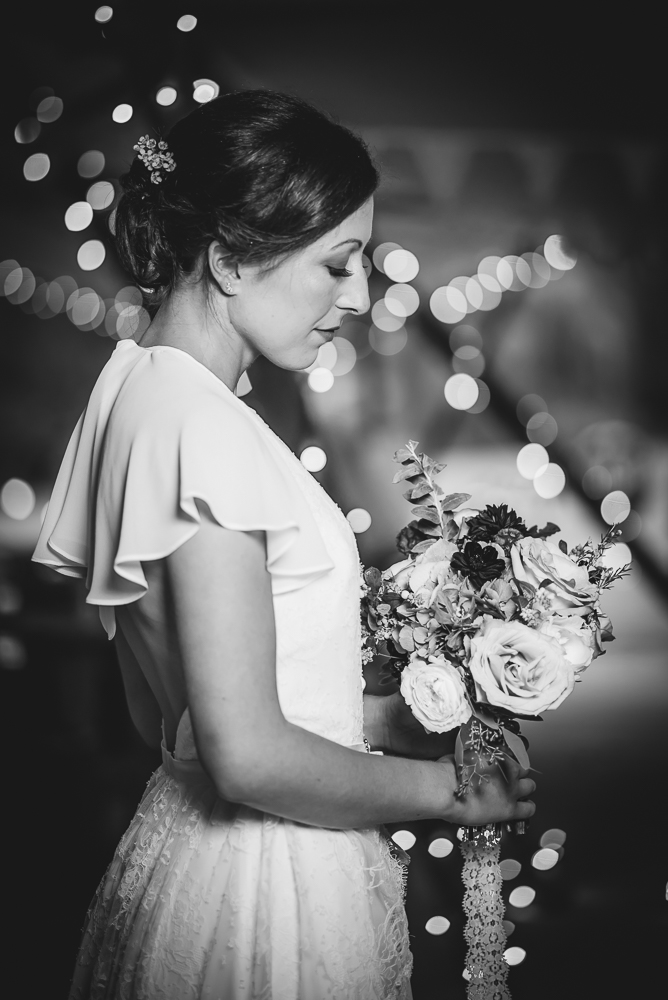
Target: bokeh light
[545, 858]
[549, 481]
[313, 458]
[554, 837]
[388, 342]
[437, 925]
[383, 319]
[631, 526]
[461, 391]
[484, 397]
[122, 113]
[381, 252]
[205, 90]
[468, 360]
[166, 96]
[540, 269]
[530, 459]
[36, 167]
[488, 265]
[129, 295]
[79, 216]
[104, 14]
[86, 309]
[557, 255]
[596, 482]
[464, 336]
[326, 356]
[440, 847]
[506, 274]
[448, 304]
[617, 556]
[615, 507]
[19, 285]
[522, 895]
[529, 405]
[508, 927]
[100, 195]
[17, 499]
[91, 163]
[542, 428]
[13, 653]
[356, 331]
[491, 291]
[187, 22]
[402, 300]
[404, 838]
[320, 380]
[10, 276]
[50, 109]
[514, 955]
[132, 321]
[401, 265]
[27, 130]
[346, 356]
[359, 520]
[509, 868]
[90, 255]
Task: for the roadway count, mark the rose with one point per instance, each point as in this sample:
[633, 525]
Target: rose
[399, 573]
[435, 693]
[577, 641]
[431, 570]
[519, 669]
[535, 560]
[461, 519]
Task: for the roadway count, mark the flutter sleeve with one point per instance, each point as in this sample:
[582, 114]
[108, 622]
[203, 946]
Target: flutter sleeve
[127, 493]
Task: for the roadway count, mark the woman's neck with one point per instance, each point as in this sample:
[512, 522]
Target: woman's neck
[186, 320]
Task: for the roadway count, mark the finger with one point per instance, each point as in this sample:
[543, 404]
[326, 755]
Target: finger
[524, 810]
[525, 787]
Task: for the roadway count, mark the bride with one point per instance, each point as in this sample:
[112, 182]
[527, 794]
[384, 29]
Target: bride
[256, 865]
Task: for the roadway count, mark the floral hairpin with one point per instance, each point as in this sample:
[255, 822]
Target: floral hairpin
[155, 157]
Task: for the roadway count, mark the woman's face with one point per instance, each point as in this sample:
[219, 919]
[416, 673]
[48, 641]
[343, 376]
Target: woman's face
[289, 312]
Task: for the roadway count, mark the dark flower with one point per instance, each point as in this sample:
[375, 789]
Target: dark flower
[409, 536]
[486, 525]
[478, 563]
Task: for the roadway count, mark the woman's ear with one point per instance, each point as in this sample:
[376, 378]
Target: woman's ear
[222, 268]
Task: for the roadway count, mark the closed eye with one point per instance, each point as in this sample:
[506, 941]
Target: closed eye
[339, 272]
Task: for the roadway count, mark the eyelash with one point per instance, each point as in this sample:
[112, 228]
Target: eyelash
[340, 272]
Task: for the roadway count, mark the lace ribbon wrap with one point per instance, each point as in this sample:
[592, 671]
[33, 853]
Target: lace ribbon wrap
[484, 908]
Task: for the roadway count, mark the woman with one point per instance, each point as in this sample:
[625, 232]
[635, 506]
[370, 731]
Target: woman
[255, 866]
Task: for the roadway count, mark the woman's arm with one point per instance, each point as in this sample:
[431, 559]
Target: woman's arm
[223, 610]
[390, 726]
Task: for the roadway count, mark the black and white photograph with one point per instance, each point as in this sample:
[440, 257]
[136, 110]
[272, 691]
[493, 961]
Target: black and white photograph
[333, 501]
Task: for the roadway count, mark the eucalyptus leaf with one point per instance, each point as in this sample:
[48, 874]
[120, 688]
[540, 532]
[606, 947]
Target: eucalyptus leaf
[426, 513]
[407, 472]
[420, 490]
[423, 546]
[454, 500]
[516, 745]
[459, 750]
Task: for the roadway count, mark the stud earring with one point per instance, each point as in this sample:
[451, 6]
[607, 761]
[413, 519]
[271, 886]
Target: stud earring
[228, 287]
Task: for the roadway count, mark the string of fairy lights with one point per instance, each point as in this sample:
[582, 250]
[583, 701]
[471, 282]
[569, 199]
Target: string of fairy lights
[383, 332]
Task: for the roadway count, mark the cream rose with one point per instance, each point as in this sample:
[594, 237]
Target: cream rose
[577, 641]
[518, 668]
[535, 560]
[435, 693]
[431, 570]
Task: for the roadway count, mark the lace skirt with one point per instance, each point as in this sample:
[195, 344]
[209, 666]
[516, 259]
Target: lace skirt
[206, 898]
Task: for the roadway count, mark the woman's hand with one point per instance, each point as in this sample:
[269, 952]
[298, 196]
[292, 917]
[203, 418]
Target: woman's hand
[500, 796]
[406, 737]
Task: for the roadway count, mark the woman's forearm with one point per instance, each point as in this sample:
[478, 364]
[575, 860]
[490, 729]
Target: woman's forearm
[304, 777]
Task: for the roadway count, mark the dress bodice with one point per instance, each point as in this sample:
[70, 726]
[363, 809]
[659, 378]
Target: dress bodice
[161, 432]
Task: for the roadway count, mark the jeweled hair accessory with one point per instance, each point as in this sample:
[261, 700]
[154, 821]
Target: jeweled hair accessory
[155, 156]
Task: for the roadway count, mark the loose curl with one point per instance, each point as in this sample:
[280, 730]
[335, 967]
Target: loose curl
[263, 173]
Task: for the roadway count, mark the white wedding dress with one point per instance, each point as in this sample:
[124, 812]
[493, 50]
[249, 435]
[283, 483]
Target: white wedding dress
[206, 898]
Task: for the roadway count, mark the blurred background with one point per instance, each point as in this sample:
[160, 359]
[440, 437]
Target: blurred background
[517, 276]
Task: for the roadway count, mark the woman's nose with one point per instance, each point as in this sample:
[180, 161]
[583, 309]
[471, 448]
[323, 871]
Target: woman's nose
[354, 295]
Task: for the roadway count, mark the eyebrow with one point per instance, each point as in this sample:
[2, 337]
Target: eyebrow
[343, 243]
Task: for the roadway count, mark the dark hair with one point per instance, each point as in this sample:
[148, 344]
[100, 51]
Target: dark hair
[264, 173]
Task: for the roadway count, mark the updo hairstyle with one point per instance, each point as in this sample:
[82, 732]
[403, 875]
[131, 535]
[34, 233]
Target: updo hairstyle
[264, 173]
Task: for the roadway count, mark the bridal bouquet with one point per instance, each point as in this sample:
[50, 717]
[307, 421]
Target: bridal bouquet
[484, 623]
